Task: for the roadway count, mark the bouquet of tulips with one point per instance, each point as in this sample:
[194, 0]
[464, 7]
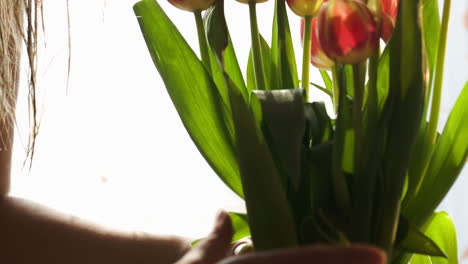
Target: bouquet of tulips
[372, 173]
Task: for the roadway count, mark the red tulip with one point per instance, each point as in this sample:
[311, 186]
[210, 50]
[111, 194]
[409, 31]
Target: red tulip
[317, 57]
[390, 7]
[191, 5]
[305, 8]
[347, 31]
[388, 18]
[386, 27]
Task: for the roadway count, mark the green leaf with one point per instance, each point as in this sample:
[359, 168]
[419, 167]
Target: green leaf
[232, 68]
[383, 79]
[343, 151]
[318, 161]
[449, 158]
[284, 72]
[216, 29]
[405, 105]
[280, 114]
[221, 44]
[319, 228]
[267, 67]
[410, 239]
[319, 128]
[323, 89]
[431, 25]
[441, 229]
[419, 259]
[420, 158]
[192, 91]
[327, 80]
[240, 226]
[270, 218]
[283, 125]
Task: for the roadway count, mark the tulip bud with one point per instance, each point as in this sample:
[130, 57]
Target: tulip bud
[191, 5]
[317, 57]
[347, 31]
[305, 8]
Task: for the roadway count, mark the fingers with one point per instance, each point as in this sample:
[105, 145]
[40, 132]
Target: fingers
[355, 254]
[215, 247]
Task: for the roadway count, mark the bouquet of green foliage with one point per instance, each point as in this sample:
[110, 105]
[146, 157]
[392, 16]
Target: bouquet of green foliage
[375, 172]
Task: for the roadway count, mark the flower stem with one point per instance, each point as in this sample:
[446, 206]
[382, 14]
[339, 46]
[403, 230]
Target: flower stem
[306, 56]
[359, 72]
[336, 88]
[439, 75]
[256, 51]
[202, 41]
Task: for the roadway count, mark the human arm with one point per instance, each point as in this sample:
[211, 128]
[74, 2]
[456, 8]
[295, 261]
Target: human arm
[31, 233]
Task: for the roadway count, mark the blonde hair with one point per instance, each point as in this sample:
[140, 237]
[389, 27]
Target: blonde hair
[18, 24]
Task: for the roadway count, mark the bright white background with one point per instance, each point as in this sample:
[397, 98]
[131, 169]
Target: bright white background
[112, 149]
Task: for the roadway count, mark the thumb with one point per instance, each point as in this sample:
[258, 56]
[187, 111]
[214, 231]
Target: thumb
[213, 248]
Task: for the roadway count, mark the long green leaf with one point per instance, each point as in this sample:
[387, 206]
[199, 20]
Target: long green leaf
[192, 91]
[420, 158]
[327, 80]
[240, 226]
[405, 103]
[449, 158]
[221, 44]
[441, 229]
[431, 25]
[270, 217]
[343, 148]
[320, 189]
[323, 89]
[283, 124]
[267, 67]
[412, 240]
[284, 72]
[319, 128]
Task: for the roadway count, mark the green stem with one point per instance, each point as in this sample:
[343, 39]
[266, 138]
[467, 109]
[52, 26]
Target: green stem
[342, 194]
[358, 85]
[256, 51]
[336, 88]
[306, 56]
[202, 41]
[439, 75]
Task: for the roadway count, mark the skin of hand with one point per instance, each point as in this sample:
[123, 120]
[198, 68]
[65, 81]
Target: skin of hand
[215, 247]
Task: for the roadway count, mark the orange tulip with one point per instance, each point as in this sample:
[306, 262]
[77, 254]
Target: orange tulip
[305, 8]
